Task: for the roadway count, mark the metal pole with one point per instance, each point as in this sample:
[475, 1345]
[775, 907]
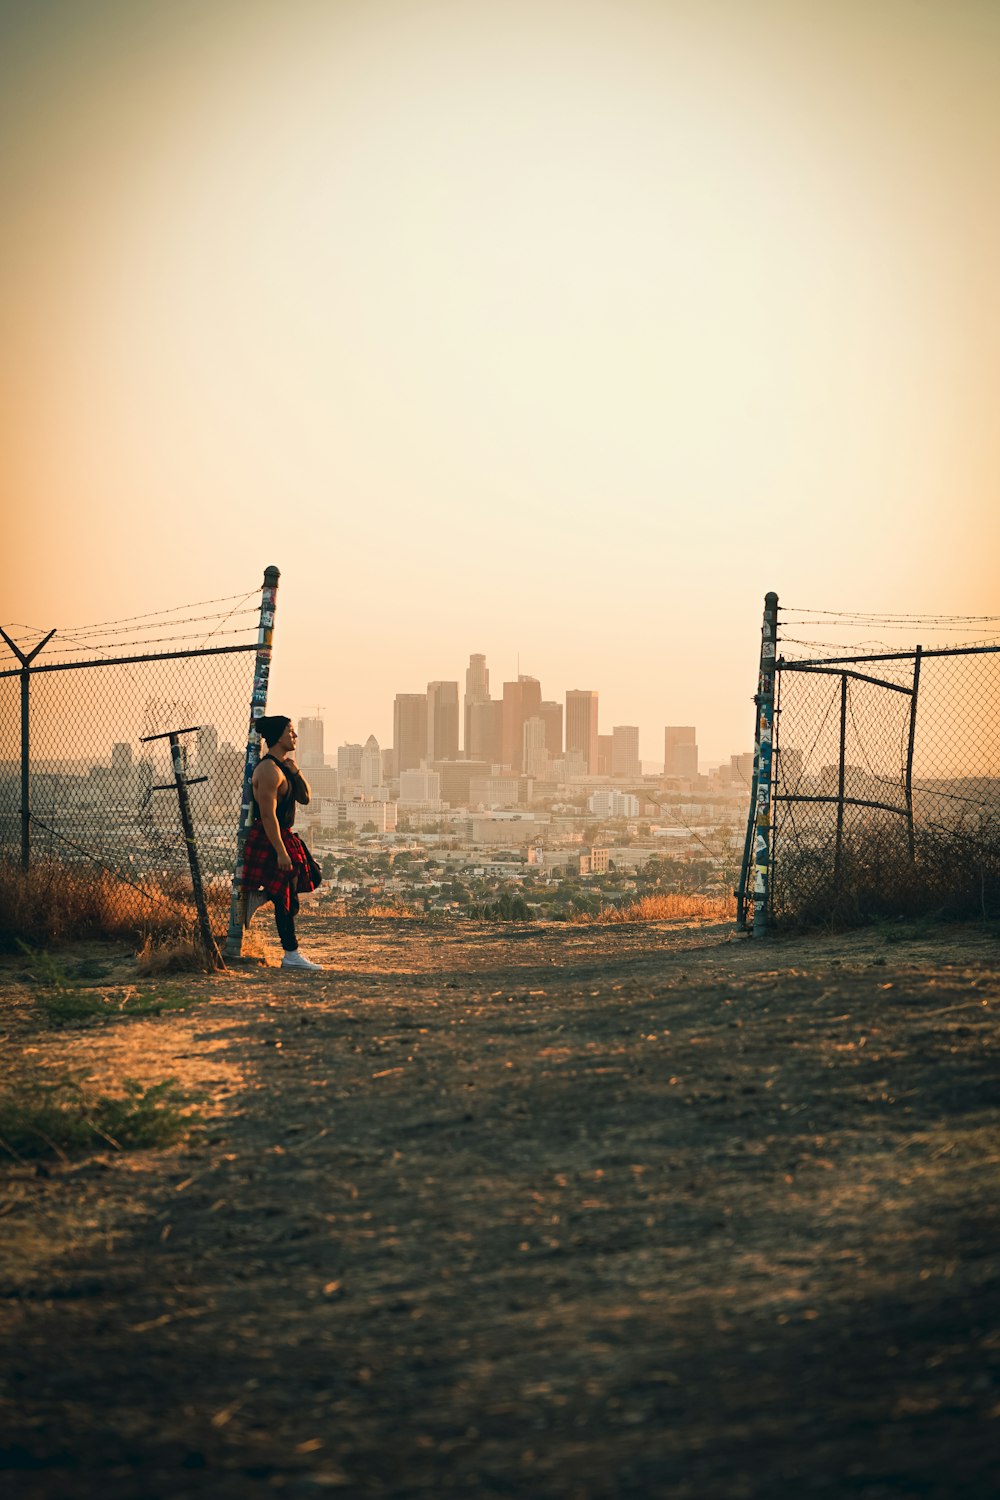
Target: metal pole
[205, 927]
[909, 754]
[838, 846]
[258, 703]
[765, 732]
[26, 658]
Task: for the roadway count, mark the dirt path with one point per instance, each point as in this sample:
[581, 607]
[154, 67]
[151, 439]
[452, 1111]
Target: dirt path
[554, 1212]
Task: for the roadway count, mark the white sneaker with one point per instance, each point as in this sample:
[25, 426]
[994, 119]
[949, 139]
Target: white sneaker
[255, 900]
[294, 960]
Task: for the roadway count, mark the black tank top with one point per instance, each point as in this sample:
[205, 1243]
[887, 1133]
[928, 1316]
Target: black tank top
[286, 799]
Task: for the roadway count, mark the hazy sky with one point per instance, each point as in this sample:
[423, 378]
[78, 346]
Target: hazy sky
[557, 329]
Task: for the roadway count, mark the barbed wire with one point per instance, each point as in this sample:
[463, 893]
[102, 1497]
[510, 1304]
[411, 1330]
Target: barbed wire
[873, 617]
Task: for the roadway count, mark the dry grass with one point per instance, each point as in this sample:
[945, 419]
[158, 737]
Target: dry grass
[670, 907]
[389, 909]
[179, 953]
[57, 903]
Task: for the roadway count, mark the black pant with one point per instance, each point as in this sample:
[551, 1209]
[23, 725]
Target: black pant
[285, 922]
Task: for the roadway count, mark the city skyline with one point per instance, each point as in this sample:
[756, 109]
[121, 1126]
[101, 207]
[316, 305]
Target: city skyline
[520, 706]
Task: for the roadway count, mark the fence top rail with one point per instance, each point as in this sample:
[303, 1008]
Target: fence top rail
[783, 664]
[128, 661]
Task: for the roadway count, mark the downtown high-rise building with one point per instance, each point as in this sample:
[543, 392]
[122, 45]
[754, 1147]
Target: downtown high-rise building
[625, 751]
[485, 741]
[371, 767]
[551, 715]
[521, 701]
[581, 726]
[442, 721]
[477, 690]
[680, 750]
[409, 730]
[310, 746]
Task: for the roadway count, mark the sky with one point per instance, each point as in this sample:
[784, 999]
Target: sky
[559, 330]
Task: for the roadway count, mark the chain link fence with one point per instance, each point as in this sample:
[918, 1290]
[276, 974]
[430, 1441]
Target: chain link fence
[100, 800]
[886, 789]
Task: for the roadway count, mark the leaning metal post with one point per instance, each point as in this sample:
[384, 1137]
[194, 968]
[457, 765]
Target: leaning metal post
[258, 703]
[741, 890]
[182, 782]
[765, 737]
[26, 659]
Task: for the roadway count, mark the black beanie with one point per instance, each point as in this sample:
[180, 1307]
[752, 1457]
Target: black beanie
[271, 727]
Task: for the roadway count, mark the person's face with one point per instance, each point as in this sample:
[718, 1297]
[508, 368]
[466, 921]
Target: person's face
[286, 745]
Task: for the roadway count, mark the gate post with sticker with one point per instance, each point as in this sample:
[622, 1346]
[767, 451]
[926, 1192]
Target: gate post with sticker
[258, 704]
[763, 757]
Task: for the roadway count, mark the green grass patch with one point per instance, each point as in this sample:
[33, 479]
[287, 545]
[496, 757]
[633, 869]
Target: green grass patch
[60, 1119]
[66, 1007]
[64, 1000]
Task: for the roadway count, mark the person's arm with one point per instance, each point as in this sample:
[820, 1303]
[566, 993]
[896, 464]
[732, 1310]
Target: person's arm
[297, 782]
[266, 792]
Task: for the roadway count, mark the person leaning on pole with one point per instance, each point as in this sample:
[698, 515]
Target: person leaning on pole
[277, 866]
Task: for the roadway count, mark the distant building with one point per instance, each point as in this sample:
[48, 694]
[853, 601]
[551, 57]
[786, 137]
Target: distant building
[477, 690]
[310, 747]
[680, 751]
[581, 726]
[420, 789]
[456, 776]
[612, 804]
[121, 755]
[371, 767]
[349, 763]
[604, 755]
[442, 721]
[485, 737]
[551, 715]
[625, 751]
[409, 730]
[521, 701]
[534, 756]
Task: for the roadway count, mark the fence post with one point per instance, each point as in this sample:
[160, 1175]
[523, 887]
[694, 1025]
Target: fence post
[762, 759]
[26, 661]
[909, 753]
[258, 703]
[841, 779]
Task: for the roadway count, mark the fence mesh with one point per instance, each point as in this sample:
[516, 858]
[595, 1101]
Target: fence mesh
[887, 787]
[94, 799]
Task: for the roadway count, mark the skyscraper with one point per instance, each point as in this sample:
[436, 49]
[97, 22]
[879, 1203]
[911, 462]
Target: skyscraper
[371, 766]
[477, 690]
[535, 756]
[409, 730]
[551, 715]
[680, 751]
[486, 731]
[310, 745]
[521, 700]
[442, 721]
[581, 726]
[625, 751]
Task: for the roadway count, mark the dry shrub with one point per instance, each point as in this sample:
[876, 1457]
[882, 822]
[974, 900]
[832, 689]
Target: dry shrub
[256, 945]
[389, 909]
[668, 907]
[57, 903]
[178, 953]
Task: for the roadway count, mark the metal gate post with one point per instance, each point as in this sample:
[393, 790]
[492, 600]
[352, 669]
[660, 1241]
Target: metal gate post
[765, 739]
[258, 703]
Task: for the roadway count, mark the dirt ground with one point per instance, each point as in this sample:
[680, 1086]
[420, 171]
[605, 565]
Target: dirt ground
[550, 1211]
